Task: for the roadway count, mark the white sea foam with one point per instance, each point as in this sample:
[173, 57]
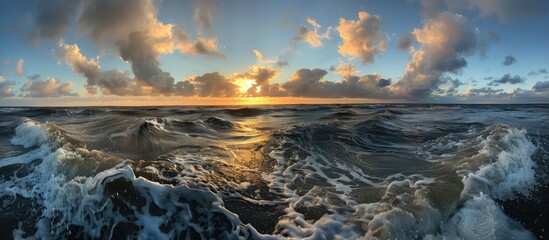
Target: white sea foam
[30, 134]
[85, 201]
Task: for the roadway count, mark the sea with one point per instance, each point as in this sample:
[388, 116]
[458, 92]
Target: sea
[341, 171]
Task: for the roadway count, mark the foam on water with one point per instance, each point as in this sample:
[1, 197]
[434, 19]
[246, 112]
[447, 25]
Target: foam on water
[406, 209]
[328, 180]
[109, 200]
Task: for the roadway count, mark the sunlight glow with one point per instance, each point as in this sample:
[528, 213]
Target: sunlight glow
[244, 84]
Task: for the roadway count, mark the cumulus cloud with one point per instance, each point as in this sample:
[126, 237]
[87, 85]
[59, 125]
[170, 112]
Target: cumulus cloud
[6, 88]
[50, 87]
[541, 86]
[362, 38]
[444, 41]
[199, 46]
[214, 85]
[145, 64]
[311, 83]
[113, 82]
[507, 78]
[311, 35]
[19, 68]
[509, 60]
[345, 69]
[132, 27]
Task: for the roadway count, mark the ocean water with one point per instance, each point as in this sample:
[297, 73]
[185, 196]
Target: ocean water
[275, 172]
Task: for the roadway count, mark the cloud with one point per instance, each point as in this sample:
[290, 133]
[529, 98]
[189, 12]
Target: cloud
[310, 83]
[200, 46]
[132, 27]
[262, 60]
[6, 88]
[312, 35]
[105, 19]
[261, 85]
[538, 72]
[71, 55]
[507, 78]
[448, 86]
[406, 41]
[345, 69]
[444, 41]
[50, 87]
[509, 60]
[204, 15]
[113, 82]
[145, 65]
[482, 92]
[541, 86]
[19, 68]
[361, 38]
[214, 85]
[52, 18]
[507, 9]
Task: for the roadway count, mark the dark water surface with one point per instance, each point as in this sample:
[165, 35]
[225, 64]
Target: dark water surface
[293, 171]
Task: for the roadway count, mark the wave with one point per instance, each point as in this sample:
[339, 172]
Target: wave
[244, 112]
[405, 206]
[382, 174]
[91, 194]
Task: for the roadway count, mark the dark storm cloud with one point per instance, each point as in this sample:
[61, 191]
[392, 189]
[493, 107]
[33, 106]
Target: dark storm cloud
[509, 60]
[51, 19]
[406, 41]
[541, 86]
[49, 87]
[507, 79]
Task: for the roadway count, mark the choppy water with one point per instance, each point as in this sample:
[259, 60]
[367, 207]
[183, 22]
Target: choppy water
[318, 172]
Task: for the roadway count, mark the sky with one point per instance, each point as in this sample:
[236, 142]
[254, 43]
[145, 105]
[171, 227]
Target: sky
[210, 52]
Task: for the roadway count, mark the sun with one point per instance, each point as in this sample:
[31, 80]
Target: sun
[244, 84]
